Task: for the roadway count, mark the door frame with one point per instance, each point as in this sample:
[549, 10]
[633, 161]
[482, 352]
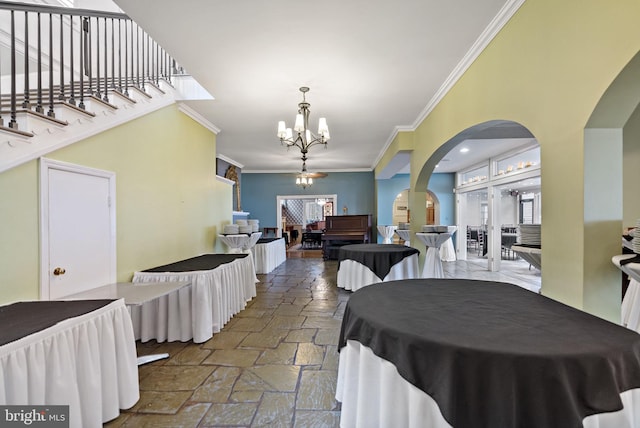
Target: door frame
[281, 198]
[51, 164]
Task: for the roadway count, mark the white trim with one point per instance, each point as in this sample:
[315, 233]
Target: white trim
[285, 171]
[198, 118]
[229, 160]
[280, 198]
[494, 27]
[225, 180]
[45, 165]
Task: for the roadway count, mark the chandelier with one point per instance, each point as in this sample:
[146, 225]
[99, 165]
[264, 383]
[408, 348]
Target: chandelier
[304, 139]
[304, 179]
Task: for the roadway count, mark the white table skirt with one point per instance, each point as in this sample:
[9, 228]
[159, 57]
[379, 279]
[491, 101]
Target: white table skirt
[432, 263]
[630, 310]
[387, 233]
[374, 395]
[269, 256]
[353, 275]
[86, 362]
[405, 235]
[214, 296]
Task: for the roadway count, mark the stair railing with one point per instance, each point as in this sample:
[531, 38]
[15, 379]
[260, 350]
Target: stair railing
[72, 54]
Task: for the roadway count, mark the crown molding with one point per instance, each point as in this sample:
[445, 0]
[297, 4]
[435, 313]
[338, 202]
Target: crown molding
[231, 161]
[496, 24]
[198, 118]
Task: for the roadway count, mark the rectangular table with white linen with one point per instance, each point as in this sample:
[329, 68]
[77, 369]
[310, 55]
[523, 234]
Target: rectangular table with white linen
[221, 286]
[268, 254]
[77, 353]
[155, 308]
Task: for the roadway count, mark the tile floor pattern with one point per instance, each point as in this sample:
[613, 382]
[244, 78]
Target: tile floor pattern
[274, 364]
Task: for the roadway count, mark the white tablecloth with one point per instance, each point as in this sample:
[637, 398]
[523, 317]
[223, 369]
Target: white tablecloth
[387, 233]
[447, 250]
[432, 263]
[353, 275]
[630, 311]
[269, 256]
[374, 395]
[240, 243]
[405, 235]
[214, 296]
[87, 362]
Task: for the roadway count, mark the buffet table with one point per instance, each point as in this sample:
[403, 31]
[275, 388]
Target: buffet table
[154, 307]
[475, 354]
[80, 353]
[221, 286]
[268, 254]
[432, 262]
[364, 264]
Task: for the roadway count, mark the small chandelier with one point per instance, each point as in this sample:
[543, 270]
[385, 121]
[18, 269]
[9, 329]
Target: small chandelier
[304, 138]
[304, 179]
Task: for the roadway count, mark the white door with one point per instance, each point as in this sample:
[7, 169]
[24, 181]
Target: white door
[77, 228]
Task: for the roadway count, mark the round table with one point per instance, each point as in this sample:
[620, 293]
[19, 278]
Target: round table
[405, 235]
[360, 265]
[480, 354]
[387, 233]
[432, 263]
[240, 243]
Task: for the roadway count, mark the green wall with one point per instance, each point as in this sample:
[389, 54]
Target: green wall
[631, 170]
[169, 204]
[547, 70]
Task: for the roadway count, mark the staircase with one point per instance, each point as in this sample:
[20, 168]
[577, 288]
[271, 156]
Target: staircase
[68, 74]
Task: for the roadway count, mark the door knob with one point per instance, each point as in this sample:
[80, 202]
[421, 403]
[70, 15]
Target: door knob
[59, 271]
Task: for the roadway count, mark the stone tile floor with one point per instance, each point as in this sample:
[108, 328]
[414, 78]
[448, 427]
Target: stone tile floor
[274, 364]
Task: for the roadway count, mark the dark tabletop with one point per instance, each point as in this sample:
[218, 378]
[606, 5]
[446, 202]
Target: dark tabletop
[204, 262]
[495, 355]
[380, 258]
[266, 240]
[24, 318]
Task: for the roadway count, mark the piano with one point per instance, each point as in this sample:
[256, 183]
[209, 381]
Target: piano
[343, 230]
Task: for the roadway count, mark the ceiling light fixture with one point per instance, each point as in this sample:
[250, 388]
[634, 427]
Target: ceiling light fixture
[464, 150]
[304, 138]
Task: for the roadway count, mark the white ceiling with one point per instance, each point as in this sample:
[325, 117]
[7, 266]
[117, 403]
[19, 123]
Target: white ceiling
[373, 67]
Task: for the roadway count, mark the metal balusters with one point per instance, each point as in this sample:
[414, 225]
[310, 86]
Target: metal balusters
[61, 95]
[12, 123]
[51, 112]
[25, 102]
[72, 79]
[126, 59]
[106, 66]
[113, 54]
[39, 108]
[97, 32]
[83, 66]
[120, 88]
[148, 74]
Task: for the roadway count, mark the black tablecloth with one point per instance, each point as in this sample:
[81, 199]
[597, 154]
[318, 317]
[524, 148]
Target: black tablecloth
[204, 262]
[380, 258]
[24, 318]
[495, 355]
[266, 240]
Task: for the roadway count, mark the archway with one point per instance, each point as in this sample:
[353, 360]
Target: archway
[488, 188]
[611, 158]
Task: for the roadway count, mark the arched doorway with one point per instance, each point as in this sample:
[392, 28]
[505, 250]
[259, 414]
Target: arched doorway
[490, 189]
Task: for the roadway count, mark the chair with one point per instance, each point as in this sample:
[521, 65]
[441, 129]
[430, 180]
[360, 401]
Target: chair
[482, 236]
[472, 238]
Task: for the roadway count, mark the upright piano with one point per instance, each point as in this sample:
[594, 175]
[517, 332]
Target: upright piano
[343, 230]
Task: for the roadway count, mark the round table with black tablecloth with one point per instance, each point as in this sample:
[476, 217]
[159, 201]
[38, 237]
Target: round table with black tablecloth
[480, 354]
